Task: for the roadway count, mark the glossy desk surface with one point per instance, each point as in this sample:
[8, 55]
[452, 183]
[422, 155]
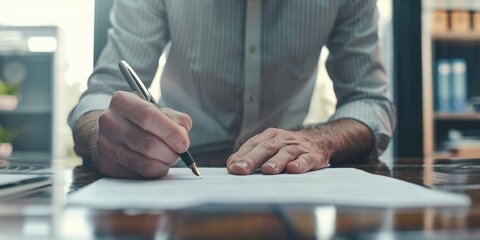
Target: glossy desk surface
[45, 215]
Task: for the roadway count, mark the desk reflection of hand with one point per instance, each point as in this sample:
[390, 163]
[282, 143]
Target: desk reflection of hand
[276, 150]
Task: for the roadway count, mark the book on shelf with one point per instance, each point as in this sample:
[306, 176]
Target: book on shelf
[451, 86]
[460, 21]
[443, 81]
[458, 100]
[440, 21]
[476, 22]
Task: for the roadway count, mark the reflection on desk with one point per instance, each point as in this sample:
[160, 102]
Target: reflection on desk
[45, 215]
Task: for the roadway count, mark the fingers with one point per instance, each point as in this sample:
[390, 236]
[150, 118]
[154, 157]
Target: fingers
[180, 118]
[112, 157]
[253, 153]
[275, 151]
[136, 139]
[279, 161]
[115, 170]
[148, 117]
[305, 163]
[252, 142]
[294, 159]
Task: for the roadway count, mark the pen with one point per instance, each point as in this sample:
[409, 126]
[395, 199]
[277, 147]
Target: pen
[137, 85]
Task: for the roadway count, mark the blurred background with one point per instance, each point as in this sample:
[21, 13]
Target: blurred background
[46, 55]
[48, 49]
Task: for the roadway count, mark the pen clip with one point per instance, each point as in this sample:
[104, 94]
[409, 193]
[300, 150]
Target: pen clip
[136, 84]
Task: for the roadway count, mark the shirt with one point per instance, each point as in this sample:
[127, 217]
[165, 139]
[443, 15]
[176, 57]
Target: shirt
[238, 67]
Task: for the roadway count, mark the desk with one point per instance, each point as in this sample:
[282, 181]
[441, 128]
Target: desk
[43, 214]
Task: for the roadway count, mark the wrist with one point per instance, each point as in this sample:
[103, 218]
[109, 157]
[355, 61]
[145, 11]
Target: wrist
[324, 137]
[85, 134]
[343, 139]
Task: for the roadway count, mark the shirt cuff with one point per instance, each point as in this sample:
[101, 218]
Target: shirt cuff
[88, 103]
[374, 117]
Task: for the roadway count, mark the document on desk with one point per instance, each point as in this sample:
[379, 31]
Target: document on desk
[339, 186]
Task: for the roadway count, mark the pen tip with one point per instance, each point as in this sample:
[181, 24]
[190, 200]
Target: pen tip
[195, 170]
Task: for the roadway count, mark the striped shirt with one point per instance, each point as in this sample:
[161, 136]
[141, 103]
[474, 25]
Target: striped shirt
[238, 67]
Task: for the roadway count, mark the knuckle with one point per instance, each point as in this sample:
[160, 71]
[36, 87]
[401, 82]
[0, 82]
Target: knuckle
[118, 99]
[180, 118]
[104, 120]
[270, 130]
[171, 136]
[268, 146]
[168, 112]
[186, 121]
[146, 144]
[289, 137]
[308, 160]
[147, 111]
[291, 151]
[253, 140]
[249, 159]
[281, 131]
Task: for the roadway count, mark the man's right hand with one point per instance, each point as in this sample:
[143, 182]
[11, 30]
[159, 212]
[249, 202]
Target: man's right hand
[132, 138]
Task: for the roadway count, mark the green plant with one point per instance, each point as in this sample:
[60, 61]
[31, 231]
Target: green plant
[6, 135]
[8, 88]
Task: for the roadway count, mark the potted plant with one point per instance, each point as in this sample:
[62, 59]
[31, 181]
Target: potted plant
[8, 95]
[6, 137]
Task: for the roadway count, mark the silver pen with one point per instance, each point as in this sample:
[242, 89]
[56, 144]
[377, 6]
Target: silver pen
[137, 85]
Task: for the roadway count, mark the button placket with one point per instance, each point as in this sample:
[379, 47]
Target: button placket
[252, 68]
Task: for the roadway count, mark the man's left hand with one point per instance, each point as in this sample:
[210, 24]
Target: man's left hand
[277, 150]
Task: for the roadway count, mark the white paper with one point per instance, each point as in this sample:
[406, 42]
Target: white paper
[340, 186]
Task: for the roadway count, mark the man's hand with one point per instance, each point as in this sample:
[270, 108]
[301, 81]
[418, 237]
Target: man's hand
[276, 150]
[134, 138]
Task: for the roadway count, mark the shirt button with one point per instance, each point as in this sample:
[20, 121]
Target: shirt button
[252, 49]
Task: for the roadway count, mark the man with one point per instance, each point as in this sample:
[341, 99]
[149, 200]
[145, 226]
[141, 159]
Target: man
[240, 72]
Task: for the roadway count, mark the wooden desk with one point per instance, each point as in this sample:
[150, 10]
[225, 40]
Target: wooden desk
[44, 215]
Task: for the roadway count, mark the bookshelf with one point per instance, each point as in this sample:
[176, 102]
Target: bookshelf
[450, 32]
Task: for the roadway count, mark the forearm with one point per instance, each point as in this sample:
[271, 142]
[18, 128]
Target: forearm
[361, 83]
[85, 135]
[345, 139]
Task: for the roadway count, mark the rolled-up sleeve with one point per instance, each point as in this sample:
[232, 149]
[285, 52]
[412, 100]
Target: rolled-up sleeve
[138, 35]
[359, 78]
